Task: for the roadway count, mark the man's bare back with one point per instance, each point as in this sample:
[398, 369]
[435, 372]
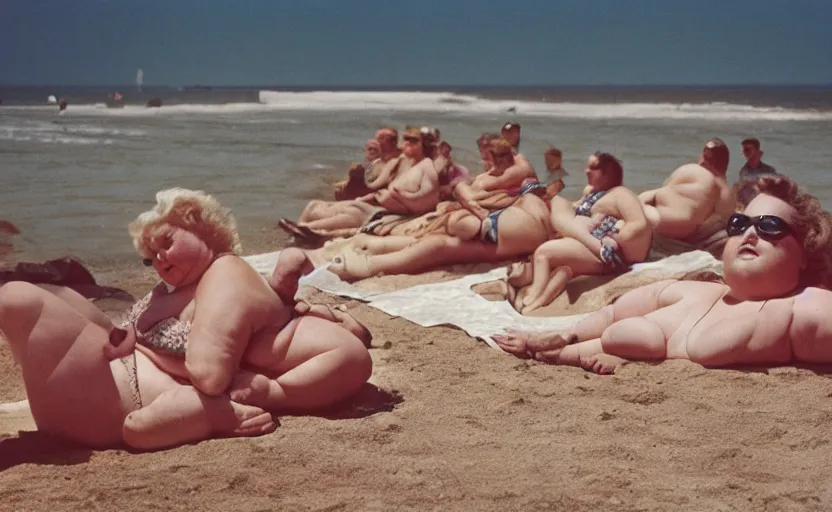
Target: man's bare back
[691, 197]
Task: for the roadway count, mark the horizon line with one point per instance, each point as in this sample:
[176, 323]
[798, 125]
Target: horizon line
[428, 86]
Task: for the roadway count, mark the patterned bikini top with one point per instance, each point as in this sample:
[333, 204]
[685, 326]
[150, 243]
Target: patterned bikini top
[169, 335]
[587, 202]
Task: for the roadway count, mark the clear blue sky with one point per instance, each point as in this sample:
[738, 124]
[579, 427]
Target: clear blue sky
[395, 42]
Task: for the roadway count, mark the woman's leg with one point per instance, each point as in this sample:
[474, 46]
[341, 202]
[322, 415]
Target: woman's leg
[317, 362]
[564, 252]
[635, 303]
[555, 285]
[430, 251]
[69, 382]
[80, 304]
[633, 339]
[75, 393]
[339, 221]
[372, 244]
[182, 414]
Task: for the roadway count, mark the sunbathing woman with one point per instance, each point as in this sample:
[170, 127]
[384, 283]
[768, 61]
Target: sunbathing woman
[221, 314]
[766, 313]
[604, 232]
[460, 237]
[414, 191]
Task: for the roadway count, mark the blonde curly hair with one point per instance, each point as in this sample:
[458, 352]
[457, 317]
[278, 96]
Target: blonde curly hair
[191, 210]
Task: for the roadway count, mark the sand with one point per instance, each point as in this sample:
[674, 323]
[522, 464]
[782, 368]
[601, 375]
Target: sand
[451, 424]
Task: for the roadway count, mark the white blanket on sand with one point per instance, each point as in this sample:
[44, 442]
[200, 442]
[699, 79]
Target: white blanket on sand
[454, 303]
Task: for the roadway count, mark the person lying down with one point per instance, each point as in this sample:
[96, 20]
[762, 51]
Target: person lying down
[771, 310]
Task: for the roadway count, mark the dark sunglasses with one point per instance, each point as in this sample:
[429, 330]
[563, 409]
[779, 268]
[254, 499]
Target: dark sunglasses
[769, 227]
[414, 140]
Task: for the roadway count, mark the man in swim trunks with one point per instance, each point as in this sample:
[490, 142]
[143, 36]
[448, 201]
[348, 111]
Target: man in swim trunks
[766, 313]
[695, 200]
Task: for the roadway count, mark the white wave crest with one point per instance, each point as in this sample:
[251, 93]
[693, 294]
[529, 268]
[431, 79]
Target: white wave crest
[467, 104]
[447, 102]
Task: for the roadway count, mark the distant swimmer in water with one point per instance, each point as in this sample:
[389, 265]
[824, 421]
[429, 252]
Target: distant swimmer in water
[62, 106]
[513, 110]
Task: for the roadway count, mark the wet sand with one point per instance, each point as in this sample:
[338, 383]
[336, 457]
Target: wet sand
[450, 424]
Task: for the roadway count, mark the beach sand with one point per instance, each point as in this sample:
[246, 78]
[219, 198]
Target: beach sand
[451, 424]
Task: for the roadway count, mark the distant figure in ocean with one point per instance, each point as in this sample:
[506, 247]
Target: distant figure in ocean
[154, 103]
[62, 106]
[696, 200]
[754, 166]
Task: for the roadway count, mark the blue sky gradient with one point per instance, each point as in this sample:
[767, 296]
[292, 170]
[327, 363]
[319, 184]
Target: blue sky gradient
[433, 42]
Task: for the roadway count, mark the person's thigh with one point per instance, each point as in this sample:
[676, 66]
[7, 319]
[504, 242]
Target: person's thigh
[69, 382]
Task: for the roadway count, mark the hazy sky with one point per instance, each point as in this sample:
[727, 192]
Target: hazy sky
[394, 42]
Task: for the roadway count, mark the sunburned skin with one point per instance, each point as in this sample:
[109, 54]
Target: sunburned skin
[694, 202]
[760, 317]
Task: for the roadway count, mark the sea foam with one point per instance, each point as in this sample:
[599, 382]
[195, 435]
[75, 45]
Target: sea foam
[462, 104]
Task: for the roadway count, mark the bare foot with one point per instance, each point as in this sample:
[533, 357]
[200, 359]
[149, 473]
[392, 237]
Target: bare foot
[251, 421]
[602, 364]
[528, 344]
[291, 265]
[351, 265]
[253, 389]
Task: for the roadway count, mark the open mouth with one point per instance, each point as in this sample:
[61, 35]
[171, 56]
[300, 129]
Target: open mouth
[747, 250]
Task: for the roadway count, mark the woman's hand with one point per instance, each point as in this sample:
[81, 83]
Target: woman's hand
[121, 343]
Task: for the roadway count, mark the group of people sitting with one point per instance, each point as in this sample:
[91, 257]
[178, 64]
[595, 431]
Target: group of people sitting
[423, 210]
[215, 349]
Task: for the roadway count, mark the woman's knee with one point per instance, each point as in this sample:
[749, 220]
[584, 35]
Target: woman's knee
[19, 302]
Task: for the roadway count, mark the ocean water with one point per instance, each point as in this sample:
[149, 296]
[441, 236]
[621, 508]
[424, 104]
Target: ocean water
[73, 182]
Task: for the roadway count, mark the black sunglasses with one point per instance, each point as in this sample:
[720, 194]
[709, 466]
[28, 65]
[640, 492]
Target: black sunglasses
[769, 227]
[411, 139]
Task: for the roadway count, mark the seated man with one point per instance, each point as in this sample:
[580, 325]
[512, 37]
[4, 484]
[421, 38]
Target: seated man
[766, 313]
[505, 173]
[379, 174]
[511, 133]
[356, 183]
[413, 191]
[695, 200]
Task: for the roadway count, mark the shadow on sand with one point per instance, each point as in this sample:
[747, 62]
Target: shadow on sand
[40, 448]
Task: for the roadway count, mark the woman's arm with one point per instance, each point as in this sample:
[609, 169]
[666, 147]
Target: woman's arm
[631, 212]
[385, 176]
[467, 197]
[231, 298]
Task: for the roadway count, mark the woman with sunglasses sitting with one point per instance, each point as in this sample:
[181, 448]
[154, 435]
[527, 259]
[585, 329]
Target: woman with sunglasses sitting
[768, 312]
[604, 232]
